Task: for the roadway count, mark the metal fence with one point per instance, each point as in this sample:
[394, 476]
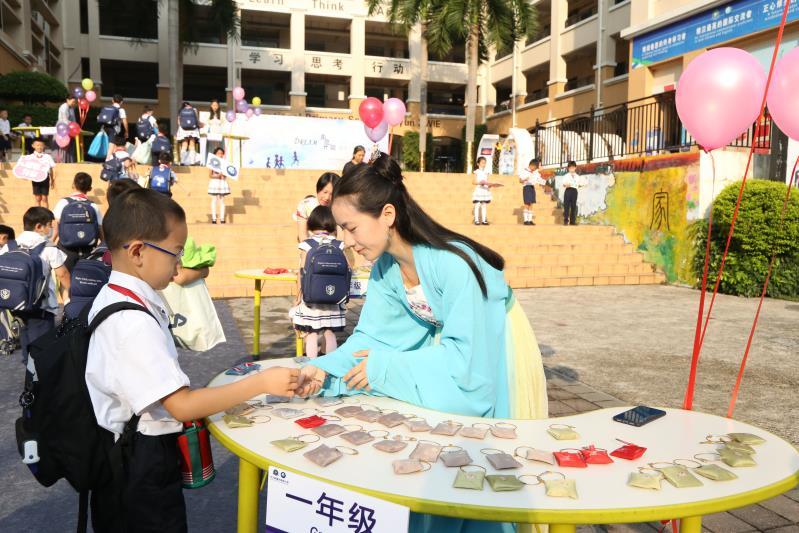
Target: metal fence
[647, 126]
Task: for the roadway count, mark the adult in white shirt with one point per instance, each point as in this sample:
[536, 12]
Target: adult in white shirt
[38, 228]
[5, 135]
[324, 195]
[81, 186]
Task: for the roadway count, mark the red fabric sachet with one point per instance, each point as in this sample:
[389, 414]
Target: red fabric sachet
[312, 421]
[596, 456]
[275, 271]
[629, 451]
[572, 459]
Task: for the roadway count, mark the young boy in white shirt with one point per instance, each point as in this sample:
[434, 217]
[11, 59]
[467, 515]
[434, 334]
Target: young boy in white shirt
[132, 369]
[81, 186]
[37, 223]
[5, 135]
[41, 189]
[530, 177]
[572, 182]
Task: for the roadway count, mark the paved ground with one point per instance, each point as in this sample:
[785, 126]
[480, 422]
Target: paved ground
[603, 346]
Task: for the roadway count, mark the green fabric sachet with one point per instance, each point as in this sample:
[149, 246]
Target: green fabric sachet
[680, 477]
[469, 479]
[289, 445]
[746, 438]
[644, 481]
[561, 488]
[736, 459]
[740, 447]
[500, 483]
[237, 421]
[715, 472]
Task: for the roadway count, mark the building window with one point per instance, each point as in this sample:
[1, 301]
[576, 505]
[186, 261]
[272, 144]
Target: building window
[131, 79]
[205, 30]
[203, 84]
[622, 56]
[271, 86]
[137, 20]
[85, 68]
[325, 34]
[265, 29]
[84, 16]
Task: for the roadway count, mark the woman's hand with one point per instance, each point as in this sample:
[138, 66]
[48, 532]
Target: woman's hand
[311, 380]
[356, 378]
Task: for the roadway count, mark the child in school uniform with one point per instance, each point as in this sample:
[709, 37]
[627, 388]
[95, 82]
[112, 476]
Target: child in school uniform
[218, 188]
[530, 177]
[572, 183]
[41, 189]
[162, 178]
[481, 196]
[188, 134]
[314, 319]
[132, 370]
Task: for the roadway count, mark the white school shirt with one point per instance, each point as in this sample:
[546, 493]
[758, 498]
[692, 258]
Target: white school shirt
[62, 203]
[481, 176]
[531, 178]
[5, 127]
[51, 257]
[132, 361]
[122, 114]
[46, 158]
[28, 134]
[573, 181]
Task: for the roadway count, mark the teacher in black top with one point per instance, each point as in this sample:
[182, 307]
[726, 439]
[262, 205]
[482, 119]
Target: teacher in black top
[357, 159]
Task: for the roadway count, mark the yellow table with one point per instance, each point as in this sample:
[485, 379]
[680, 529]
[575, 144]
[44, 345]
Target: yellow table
[604, 497]
[36, 130]
[259, 276]
[231, 138]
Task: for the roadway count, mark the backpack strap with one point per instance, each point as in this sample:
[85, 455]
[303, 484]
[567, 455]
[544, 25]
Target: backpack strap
[37, 250]
[12, 245]
[313, 243]
[106, 312]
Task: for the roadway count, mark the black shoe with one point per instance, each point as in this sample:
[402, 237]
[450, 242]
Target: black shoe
[532, 223]
[565, 222]
[476, 223]
[213, 222]
[223, 222]
[485, 224]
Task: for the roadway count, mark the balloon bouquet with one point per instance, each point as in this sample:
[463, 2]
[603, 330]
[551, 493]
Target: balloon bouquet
[242, 106]
[66, 131]
[378, 116]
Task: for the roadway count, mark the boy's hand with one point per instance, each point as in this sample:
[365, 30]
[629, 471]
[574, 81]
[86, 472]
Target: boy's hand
[280, 381]
[311, 380]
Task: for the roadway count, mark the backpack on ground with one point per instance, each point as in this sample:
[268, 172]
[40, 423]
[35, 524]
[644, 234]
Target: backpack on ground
[325, 279]
[160, 144]
[144, 129]
[108, 116]
[160, 179]
[188, 118]
[86, 279]
[22, 279]
[78, 227]
[10, 327]
[57, 434]
[112, 169]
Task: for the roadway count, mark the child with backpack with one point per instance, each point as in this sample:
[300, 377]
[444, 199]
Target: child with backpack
[161, 177]
[146, 126]
[321, 290]
[188, 134]
[6, 234]
[114, 122]
[138, 391]
[77, 221]
[32, 297]
[161, 144]
[41, 189]
[218, 188]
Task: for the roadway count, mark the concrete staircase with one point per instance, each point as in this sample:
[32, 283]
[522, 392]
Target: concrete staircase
[260, 232]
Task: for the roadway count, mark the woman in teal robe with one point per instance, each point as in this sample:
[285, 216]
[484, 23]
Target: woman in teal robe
[458, 365]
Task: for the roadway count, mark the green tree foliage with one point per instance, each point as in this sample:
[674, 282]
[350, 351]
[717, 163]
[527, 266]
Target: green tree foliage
[31, 87]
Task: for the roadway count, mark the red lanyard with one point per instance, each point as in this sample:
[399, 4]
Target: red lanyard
[127, 292]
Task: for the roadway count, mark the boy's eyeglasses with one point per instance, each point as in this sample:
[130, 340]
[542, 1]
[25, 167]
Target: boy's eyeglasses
[177, 256]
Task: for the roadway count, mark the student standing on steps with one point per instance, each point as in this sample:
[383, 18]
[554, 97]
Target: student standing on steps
[530, 177]
[572, 183]
[218, 188]
[481, 196]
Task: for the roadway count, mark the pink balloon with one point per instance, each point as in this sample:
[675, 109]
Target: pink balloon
[782, 101]
[249, 113]
[394, 111]
[377, 133]
[719, 95]
[371, 112]
[62, 141]
[91, 96]
[238, 93]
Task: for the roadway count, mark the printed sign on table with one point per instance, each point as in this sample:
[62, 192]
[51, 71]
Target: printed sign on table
[30, 167]
[223, 166]
[298, 503]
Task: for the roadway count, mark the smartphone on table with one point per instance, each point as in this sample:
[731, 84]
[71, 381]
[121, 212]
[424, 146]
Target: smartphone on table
[639, 416]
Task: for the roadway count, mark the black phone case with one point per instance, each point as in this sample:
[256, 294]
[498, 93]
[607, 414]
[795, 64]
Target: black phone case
[633, 418]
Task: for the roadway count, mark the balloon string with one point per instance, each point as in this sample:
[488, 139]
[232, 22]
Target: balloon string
[737, 386]
[698, 349]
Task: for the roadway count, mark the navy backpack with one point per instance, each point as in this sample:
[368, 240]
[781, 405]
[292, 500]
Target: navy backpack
[326, 276]
[86, 279]
[188, 118]
[144, 129]
[112, 169]
[22, 279]
[108, 116]
[78, 227]
[159, 179]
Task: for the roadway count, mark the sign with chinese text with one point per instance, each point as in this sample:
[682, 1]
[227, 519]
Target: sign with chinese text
[298, 503]
[30, 167]
[724, 23]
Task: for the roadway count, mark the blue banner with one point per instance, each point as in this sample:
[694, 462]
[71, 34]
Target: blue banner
[704, 30]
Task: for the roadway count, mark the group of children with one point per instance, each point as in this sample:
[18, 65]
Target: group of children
[529, 178]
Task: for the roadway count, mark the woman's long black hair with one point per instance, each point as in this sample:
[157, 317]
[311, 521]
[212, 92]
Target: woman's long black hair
[380, 183]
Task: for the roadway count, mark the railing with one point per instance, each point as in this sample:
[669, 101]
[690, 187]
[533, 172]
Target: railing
[646, 126]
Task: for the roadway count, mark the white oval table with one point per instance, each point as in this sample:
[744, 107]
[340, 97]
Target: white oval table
[604, 496]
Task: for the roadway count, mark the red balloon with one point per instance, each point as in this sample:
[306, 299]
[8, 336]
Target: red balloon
[83, 104]
[74, 129]
[371, 112]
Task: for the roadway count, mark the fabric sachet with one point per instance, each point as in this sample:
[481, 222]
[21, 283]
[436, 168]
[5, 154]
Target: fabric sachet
[418, 425]
[471, 432]
[329, 430]
[323, 455]
[456, 458]
[740, 447]
[391, 420]
[532, 454]
[310, 422]
[426, 451]
[561, 488]
[240, 409]
[746, 438]
[271, 398]
[596, 456]
[563, 433]
[289, 445]
[680, 477]
[736, 459]
[630, 452]
[368, 415]
[645, 481]
[357, 437]
[469, 479]
[503, 431]
[573, 459]
[327, 401]
[287, 413]
[715, 472]
[390, 445]
[348, 411]
[409, 466]
[502, 461]
[237, 421]
[501, 483]
[448, 428]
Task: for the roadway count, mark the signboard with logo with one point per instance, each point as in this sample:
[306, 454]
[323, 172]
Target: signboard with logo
[30, 167]
[223, 166]
[704, 30]
[298, 503]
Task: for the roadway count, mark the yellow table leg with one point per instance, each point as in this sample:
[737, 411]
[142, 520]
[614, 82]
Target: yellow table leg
[256, 320]
[692, 524]
[78, 149]
[249, 475]
[299, 350]
[562, 528]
